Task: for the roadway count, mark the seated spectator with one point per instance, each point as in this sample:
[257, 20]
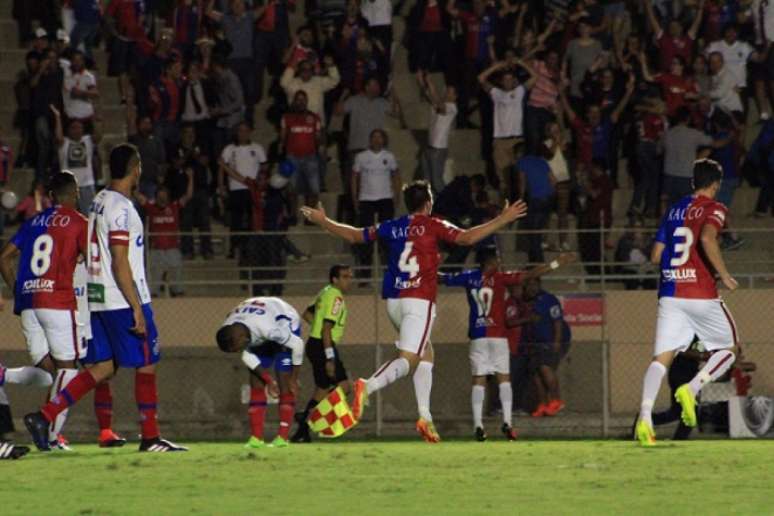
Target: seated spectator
[76, 153]
[443, 111]
[301, 136]
[536, 187]
[163, 226]
[598, 214]
[633, 255]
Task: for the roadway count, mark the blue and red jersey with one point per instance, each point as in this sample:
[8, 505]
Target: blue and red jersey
[685, 270]
[165, 100]
[50, 243]
[187, 21]
[477, 30]
[412, 269]
[486, 298]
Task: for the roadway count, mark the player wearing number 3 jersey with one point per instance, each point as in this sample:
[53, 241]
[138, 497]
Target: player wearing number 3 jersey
[410, 286]
[689, 255]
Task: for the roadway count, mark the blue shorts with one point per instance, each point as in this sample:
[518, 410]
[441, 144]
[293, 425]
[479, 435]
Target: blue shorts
[271, 354]
[112, 339]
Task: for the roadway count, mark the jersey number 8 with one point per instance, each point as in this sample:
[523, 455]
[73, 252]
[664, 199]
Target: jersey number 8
[41, 255]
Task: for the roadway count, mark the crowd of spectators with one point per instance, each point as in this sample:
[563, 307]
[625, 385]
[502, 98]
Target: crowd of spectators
[562, 94]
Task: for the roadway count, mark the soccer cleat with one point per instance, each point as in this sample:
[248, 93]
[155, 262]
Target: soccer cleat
[508, 431]
[427, 430]
[255, 443]
[687, 400]
[553, 407]
[540, 411]
[279, 442]
[109, 439]
[360, 399]
[159, 445]
[60, 443]
[9, 451]
[480, 434]
[37, 425]
[645, 433]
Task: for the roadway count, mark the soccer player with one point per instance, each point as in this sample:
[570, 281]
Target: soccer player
[124, 334]
[48, 247]
[410, 286]
[489, 353]
[687, 249]
[267, 331]
[327, 317]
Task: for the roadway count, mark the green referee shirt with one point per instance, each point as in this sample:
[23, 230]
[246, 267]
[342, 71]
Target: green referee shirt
[329, 306]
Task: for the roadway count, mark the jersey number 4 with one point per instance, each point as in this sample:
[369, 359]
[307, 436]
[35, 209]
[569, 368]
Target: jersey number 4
[408, 263]
[683, 247]
[41, 255]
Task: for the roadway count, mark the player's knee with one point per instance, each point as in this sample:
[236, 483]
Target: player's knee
[102, 371]
[65, 364]
[412, 358]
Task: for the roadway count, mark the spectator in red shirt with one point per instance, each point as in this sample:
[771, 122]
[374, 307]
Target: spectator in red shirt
[301, 137]
[674, 42]
[651, 126]
[272, 37]
[125, 21]
[303, 50]
[429, 28]
[677, 89]
[165, 102]
[164, 221]
[517, 314]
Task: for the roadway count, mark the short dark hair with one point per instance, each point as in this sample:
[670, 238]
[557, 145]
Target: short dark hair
[120, 158]
[706, 172]
[383, 133]
[225, 337]
[485, 256]
[335, 271]
[63, 184]
[416, 194]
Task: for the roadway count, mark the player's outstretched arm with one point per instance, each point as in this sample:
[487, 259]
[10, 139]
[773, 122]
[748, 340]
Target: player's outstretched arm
[317, 216]
[510, 213]
[709, 241]
[540, 270]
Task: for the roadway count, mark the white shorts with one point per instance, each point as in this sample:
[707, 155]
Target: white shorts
[679, 320]
[54, 332]
[489, 356]
[413, 318]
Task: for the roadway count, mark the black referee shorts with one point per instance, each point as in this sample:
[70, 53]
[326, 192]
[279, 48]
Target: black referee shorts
[315, 352]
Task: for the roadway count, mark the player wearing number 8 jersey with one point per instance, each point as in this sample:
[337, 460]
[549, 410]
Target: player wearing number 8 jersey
[410, 285]
[689, 255]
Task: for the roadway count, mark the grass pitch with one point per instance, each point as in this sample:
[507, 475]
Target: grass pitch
[404, 477]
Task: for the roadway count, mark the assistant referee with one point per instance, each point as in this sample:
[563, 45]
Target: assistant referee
[327, 317]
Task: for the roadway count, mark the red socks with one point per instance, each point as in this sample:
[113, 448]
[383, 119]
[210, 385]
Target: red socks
[67, 397]
[146, 397]
[257, 411]
[287, 404]
[103, 405]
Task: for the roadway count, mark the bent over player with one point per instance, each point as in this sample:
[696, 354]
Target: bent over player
[124, 334]
[410, 285]
[267, 331]
[689, 254]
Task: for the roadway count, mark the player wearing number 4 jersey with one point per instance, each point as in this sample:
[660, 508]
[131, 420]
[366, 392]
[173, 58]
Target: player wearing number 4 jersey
[489, 354]
[409, 286]
[687, 249]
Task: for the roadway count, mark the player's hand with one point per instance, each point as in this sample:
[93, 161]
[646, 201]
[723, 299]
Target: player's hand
[567, 258]
[514, 211]
[314, 215]
[330, 369]
[139, 323]
[729, 282]
[273, 389]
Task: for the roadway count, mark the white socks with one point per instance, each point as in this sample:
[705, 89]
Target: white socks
[716, 366]
[28, 375]
[63, 377]
[650, 386]
[423, 384]
[506, 401]
[390, 372]
[477, 402]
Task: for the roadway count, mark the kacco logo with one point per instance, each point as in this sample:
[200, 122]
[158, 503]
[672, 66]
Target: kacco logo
[52, 221]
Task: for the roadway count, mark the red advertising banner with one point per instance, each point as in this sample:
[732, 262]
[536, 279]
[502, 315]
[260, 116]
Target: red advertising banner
[583, 309]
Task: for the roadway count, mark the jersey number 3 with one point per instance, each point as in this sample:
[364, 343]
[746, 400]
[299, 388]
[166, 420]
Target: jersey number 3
[682, 249]
[41, 255]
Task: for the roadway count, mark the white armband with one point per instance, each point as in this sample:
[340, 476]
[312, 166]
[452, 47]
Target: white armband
[330, 354]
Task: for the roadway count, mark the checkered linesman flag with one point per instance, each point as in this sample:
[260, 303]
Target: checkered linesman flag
[332, 417]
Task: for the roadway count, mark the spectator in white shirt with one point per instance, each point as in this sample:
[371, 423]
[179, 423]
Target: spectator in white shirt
[378, 14]
[508, 115]
[762, 70]
[443, 111]
[239, 162]
[76, 153]
[375, 185]
[735, 54]
[313, 85]
[79, 90]
[723, 86]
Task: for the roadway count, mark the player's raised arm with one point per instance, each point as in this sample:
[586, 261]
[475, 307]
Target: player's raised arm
[709, 241]
[122, 272]
[317, 216]
[510, 213]
[545, 268]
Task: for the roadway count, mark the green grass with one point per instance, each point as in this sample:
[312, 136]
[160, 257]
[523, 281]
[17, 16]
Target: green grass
[405, 477]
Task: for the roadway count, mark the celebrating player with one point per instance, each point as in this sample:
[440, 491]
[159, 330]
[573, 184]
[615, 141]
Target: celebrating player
[688, 251]
[327, 317]
[48, 247]
[489, 354]
[410, 286]
[124, 333]
[267, 331]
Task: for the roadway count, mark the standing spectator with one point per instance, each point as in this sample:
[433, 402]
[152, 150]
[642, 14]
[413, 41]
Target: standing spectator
[239, 162]
[151, 149]
[76, 152]
[560, 170]
[166, 103]
[375, 186]
[6, 172]
[508, 117]
[651, 125]
[443, 111]
[701, 75]
[674, 42]
[272, 37]
[163, 227]
[543, 99]
[46, 92]
[196, 212]
[88, 16]
[677, 88]
[301, 137]
[762, 69]
[378, 14]
[517, 315]
[736, 55]
[302, 49]
[314, 86]
[761, 158]
[723, 129]
[25, 11]
[724, 91]
[80, 90]
[429, 29]
[598, 214]
[187, 18]
[195, 108]
[125, 20]
[23, 119]
[536, 187]
[581, 54]
[238, 26]
[230, 110]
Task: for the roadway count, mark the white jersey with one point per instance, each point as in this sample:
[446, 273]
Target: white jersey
[114, 221]
[269, 319]
[82, 314]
